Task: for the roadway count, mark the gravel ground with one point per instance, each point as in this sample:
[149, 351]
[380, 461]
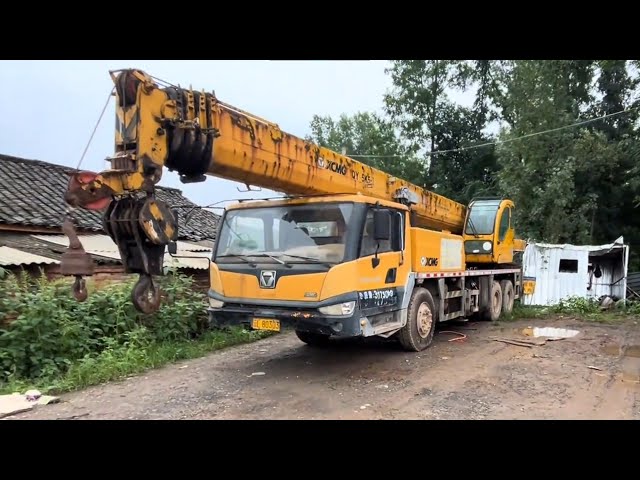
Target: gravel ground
[478, 378]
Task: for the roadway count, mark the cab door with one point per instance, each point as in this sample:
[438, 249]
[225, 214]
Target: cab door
[382, 268]
[504, 236]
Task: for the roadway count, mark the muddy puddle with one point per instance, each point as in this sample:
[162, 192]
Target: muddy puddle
[622, 350]
[630, 365]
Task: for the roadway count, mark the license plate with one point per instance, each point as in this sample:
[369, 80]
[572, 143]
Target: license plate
[266, 324]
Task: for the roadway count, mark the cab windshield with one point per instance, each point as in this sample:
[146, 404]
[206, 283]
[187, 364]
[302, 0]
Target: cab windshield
[294, 234]
[482, 217]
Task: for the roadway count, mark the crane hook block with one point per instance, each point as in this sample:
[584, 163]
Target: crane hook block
[145, 295]
[79, 289]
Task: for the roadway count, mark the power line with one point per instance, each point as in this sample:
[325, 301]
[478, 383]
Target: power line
[462, 149]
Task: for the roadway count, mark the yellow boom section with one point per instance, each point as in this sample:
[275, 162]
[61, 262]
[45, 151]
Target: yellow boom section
[197, 135]
[256, 152]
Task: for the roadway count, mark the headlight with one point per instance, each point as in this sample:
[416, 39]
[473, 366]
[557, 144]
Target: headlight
[486, 246]
[345, 308]
[213, 303]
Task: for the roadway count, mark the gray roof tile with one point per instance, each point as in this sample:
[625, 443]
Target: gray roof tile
[31, 194]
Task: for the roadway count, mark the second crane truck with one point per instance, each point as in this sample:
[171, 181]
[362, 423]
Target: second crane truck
[350, 251]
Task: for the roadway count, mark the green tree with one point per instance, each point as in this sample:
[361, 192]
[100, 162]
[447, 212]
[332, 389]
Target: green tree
[370, 139]
[419, 104]
[617, 188]
[616, 87]
[539, 172]
[419, 88]
[464, 174]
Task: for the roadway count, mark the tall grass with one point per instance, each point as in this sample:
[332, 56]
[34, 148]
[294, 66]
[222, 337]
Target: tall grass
[51, 342]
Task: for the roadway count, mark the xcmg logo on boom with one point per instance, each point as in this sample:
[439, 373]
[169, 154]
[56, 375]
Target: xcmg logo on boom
[332, 166]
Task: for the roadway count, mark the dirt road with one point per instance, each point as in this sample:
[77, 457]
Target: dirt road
[478, 378]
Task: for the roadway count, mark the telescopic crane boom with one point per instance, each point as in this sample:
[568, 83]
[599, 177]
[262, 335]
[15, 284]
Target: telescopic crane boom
[195, 134]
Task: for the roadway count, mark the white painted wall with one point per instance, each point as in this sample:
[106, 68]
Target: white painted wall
[542, 262]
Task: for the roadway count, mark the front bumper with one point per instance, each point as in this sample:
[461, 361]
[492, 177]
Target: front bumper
[302, 316]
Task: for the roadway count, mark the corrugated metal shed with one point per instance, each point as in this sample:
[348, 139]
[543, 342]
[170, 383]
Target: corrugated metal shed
[633, 282]
[565, 270]
[94, 244]
[188, 255]
[188, 259]
[13, 257]
[30, 244]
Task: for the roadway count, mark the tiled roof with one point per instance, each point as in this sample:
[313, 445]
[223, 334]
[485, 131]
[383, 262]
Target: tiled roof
[24, 249]
[36, 246]
[31, 194]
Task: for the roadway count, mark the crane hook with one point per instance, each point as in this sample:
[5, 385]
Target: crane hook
[79, 289]
[145, 294]
[75, 261]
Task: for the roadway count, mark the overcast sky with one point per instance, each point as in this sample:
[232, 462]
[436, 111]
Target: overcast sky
[49, 108]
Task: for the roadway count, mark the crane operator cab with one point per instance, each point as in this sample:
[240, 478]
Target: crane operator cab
[490, 232]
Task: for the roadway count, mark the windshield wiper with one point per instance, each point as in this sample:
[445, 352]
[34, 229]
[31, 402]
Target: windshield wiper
[234, 255]
[271, 257]
[313, 259]
[473, 227]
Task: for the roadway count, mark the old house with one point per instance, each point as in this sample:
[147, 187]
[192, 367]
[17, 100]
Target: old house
[32, 210]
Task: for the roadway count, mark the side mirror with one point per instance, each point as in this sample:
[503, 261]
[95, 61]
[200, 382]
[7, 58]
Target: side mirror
[173, 248]
[381, 225]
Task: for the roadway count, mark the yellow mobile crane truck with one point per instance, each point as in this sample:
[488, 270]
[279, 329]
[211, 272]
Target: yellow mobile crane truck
[349, 251]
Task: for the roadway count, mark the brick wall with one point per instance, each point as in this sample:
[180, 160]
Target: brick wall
[200, 278]
[109, 274]
[102, 274]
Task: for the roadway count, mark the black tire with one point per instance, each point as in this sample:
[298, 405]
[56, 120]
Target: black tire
[508, 296]
[494, 309]
[313, 339]
[417, 335]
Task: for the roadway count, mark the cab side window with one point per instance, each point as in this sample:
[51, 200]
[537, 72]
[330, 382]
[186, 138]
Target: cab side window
[504, 224]
[368, 244]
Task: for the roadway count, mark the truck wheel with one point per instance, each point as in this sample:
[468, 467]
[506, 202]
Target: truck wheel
[417, 334]
[495, 305]
[313, 339]
[508, 296]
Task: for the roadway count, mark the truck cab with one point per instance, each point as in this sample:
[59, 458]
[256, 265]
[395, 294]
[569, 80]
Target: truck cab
[326, 266]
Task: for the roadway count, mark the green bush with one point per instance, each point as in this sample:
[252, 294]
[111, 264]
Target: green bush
[633, 308]
[585, 308]
[577, 305]
[45, 331]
